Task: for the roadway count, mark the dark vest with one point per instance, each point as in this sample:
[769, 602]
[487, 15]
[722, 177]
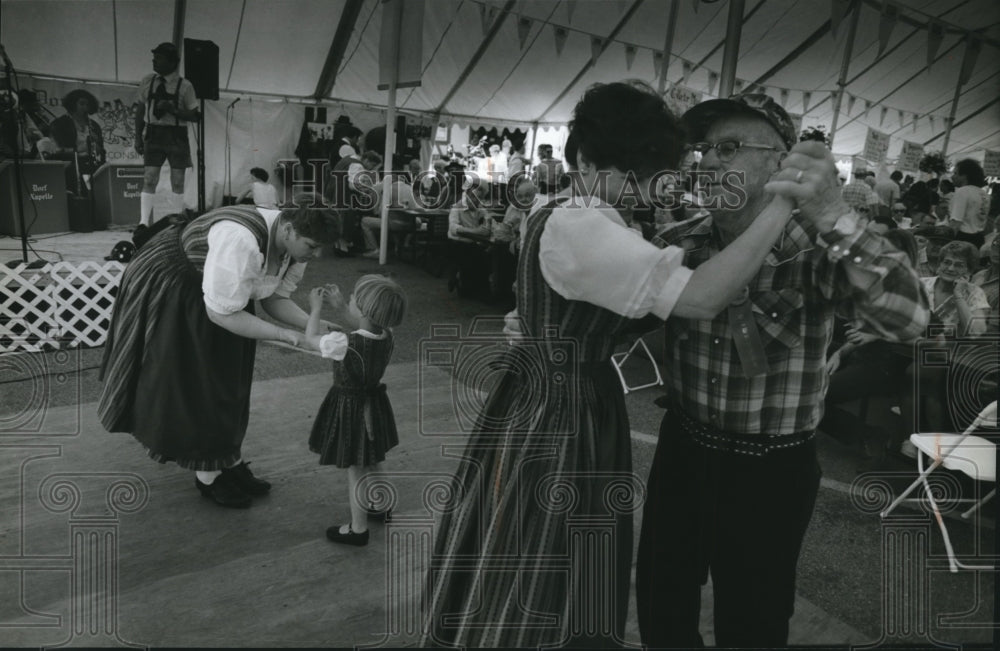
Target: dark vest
[338, 191]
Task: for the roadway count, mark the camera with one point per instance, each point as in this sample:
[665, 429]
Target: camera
[457, 371]
[958, 375]
[33, 384]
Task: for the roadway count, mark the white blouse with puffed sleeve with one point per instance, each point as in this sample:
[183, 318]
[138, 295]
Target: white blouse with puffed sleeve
[235, 269]
[587, 253]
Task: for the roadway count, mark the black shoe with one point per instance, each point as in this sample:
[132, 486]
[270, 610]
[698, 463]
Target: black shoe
[242, 477]
[349, 538]
[224, 492]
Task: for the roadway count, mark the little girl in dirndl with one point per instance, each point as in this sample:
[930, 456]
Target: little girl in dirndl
[355, 425]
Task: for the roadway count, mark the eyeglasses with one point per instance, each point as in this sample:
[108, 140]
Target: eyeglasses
[862, 210]
[899, 210]
[726, 149]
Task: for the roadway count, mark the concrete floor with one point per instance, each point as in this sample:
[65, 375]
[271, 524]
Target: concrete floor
[183, 572]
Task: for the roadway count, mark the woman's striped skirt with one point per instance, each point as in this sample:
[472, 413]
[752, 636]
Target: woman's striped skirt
[173, 379]
[536, 547]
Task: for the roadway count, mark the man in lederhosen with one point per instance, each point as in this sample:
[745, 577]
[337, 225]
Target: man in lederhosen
[165, 104]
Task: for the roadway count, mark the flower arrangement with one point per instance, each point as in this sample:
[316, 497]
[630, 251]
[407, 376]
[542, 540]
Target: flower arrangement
[815, 133]
[934, 162]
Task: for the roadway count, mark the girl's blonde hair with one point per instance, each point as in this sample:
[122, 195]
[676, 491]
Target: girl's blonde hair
[380, 299]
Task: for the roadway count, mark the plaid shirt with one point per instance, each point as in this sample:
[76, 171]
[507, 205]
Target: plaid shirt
[793, 298]
[859, 193]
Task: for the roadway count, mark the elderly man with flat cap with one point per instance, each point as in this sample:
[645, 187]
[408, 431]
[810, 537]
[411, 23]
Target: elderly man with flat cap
[735, 475]
[165, 104]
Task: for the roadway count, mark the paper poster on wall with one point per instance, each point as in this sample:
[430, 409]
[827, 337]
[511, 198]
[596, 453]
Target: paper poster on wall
[681, 98]
[114, 112]
[991, 163]
[909, 157]
[876, 146]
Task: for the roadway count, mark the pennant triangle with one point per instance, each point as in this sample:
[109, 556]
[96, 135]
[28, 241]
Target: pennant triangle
[838, 10]
[737, 87]
[630, 51]
[784, 97]
[973, 45]
[881, 118]
[713, 79]
[935, 34]
[900, 117]
[686, 66]
[886, 23]
[868, 107]
[850, 103]
[915, 117]
[657, 63]
[596, 43]
[931, 119]
[559, 34]
[523, 29]
[806, 99]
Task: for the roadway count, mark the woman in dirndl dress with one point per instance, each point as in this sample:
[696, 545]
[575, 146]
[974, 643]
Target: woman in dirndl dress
[178, 362]
[535, 547]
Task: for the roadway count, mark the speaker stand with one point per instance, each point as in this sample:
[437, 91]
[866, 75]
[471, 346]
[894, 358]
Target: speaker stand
[201, 162]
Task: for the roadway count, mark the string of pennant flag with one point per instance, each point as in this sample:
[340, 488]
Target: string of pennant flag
[889, 15]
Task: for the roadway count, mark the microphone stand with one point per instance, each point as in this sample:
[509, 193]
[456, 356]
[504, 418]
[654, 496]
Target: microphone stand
[18, 165]
[230, 112]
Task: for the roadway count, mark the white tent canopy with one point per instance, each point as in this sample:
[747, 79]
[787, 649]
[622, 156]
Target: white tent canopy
[496, 61]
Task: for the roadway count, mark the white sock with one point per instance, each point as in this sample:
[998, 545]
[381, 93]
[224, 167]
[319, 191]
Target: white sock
[207, 476]
[176, 203]
[146, 208]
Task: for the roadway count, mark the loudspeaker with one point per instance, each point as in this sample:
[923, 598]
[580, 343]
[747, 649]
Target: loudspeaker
[201, 67]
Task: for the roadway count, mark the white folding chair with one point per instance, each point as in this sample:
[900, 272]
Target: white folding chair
[619, 359]
[972, 455]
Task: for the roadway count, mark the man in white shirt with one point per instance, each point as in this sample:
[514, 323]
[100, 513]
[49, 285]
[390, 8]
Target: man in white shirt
[970, 204]
[165, 103]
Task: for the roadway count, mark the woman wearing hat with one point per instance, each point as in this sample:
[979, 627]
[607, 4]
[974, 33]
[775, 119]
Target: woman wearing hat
[79, 137]
[178, 361]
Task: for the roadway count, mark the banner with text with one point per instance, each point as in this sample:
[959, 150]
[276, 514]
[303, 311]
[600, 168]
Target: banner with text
[909, 157]
[114, 113]
[876, 146]
[991, 163]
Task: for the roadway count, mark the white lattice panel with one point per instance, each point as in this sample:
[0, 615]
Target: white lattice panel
[59, 305]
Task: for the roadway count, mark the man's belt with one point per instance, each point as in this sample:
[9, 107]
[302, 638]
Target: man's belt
[757, 445]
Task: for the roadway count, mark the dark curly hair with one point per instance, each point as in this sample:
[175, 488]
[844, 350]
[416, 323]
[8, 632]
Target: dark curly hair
[625, 125]
[74, 96]
[310, 217]
[972, 171]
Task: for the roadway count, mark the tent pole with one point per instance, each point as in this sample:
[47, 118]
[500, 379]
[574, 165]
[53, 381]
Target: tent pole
[390, 132]
[731, 53]
[534, 137]
[844, 66]
[668, 45]
[951, 118]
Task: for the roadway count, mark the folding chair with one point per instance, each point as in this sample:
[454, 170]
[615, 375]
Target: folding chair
[972, 455]
[619, 359]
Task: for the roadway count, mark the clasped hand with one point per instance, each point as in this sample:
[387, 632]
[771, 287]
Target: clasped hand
[808, 177]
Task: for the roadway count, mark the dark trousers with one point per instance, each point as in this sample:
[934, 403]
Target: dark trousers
[869, 372]
[741, 517]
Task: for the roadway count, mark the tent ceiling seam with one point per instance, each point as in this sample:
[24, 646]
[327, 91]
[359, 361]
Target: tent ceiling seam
[236, 44]
[605, 43]
[517, 64]
[478, 55]
[430, 60]
[341, 37]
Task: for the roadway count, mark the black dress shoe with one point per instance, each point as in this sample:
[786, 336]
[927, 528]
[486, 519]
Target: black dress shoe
[349, 538]
[240, 475]
[224, 492]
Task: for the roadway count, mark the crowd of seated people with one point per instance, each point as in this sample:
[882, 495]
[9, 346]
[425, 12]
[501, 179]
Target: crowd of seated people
[929, 386]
